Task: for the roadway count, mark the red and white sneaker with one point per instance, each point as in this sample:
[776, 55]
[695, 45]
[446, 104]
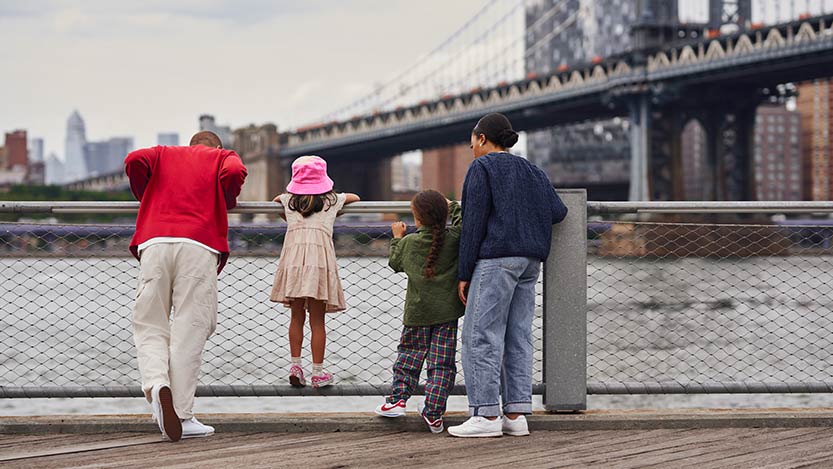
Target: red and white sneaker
[397, 409]
[436, 426]
[296, 377]
[322, 379]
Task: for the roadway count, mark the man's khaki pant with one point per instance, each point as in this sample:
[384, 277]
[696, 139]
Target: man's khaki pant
[170, 341]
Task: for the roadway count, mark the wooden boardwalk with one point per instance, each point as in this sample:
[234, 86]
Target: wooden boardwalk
[700, 448]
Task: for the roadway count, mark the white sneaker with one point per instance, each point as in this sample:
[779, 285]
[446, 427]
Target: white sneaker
[517, 427]
[162, 404]
[397, 409]
[193, 428]
[477, 427]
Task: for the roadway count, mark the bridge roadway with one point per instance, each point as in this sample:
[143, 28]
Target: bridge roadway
[620, 439]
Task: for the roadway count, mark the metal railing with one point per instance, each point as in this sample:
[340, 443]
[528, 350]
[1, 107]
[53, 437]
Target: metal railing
[641, 298]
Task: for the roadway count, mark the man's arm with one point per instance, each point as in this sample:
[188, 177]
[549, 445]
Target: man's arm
[232, 175]
[138, 166]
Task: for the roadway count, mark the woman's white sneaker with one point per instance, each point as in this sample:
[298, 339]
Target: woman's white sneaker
[478, 427]
[517, 427]
[193, 428]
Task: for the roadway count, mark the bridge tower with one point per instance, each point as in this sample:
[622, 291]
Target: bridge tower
[723, 12]
[659, 115]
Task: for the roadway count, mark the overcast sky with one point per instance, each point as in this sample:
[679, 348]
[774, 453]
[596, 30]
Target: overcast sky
[137, 68]
[141, 67]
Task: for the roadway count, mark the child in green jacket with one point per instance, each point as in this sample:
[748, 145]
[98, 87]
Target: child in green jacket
[432, 307]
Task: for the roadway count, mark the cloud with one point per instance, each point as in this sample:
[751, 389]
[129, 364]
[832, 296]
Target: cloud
[91, 12]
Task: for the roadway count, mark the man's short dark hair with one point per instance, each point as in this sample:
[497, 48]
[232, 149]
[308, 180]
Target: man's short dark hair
[207, 138]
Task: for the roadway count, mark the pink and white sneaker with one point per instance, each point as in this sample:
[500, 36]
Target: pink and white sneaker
[397, 409]
[322, 379]
[296, 377]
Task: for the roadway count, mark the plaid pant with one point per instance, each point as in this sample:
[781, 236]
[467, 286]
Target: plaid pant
[437, 345]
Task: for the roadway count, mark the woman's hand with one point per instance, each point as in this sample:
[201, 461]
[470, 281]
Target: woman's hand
[277, 198]
[463, 291]
[398, 228]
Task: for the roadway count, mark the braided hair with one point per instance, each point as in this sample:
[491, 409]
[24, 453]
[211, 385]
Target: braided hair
[431, 208]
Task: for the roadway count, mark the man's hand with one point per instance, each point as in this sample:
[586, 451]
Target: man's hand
[463, 291]
[398, 228]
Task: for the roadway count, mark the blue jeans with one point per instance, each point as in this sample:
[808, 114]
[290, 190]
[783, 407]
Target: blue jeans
[497, 336]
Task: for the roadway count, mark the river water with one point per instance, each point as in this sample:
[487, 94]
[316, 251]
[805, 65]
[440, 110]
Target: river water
[67, 322]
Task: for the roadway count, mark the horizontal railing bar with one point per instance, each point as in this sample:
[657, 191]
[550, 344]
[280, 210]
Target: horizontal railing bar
[599, 208]
[730, 387]
[216, 390]
[594, 208]
[263, 390]
[133, 207]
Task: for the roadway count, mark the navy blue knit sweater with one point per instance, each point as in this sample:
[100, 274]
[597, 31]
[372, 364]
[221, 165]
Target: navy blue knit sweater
[509, 207]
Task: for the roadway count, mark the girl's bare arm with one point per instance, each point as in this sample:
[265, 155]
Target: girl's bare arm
[350, 198]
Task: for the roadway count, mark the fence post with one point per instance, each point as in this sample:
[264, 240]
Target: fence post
[565, 309]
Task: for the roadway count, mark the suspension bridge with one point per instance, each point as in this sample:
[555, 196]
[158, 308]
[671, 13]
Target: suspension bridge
[713, 61]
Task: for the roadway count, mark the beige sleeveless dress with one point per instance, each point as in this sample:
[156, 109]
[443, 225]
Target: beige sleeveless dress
[307, 266]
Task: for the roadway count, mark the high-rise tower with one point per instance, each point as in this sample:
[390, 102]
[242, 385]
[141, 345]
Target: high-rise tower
[75, 166]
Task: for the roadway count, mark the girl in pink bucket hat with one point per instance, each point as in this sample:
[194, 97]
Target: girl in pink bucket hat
[307, 277]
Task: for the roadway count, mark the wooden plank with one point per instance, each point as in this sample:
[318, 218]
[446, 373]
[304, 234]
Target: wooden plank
[783, 455]
[618, 449]
[637, 448]
[760, 441]
[63, 450]
[234, 450]
[193, 451]
[681, 455]
[550, 447]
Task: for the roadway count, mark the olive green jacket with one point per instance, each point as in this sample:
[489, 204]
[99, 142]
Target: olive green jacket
[430, 301]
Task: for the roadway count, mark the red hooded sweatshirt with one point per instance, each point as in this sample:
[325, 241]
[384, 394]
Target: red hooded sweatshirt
[185, 192]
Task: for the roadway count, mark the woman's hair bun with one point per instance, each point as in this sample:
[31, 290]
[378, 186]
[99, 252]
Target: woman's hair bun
[508, 138]
[497, 129]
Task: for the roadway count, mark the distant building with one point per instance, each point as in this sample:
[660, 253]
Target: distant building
[17, 150]
[14, 158]
[594, 155]
[406, 175]
[107, 156]
[36, 150]
[76, 138]
[778, 155]
[814, 106]
[54, 170]
[223, 131]
[444, 169]
[693, 149]
[168, 139]
[36, 174]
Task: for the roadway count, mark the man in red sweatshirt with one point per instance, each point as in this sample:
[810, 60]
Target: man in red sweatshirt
[181, 241]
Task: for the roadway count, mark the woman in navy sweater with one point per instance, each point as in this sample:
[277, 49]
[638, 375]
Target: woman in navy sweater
[509, 207]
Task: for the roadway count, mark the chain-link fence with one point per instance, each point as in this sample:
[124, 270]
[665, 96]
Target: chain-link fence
[710, 307]
[68, 292]
[674, 305]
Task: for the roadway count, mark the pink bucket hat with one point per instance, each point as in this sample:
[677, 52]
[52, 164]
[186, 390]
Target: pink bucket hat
[309, 176]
